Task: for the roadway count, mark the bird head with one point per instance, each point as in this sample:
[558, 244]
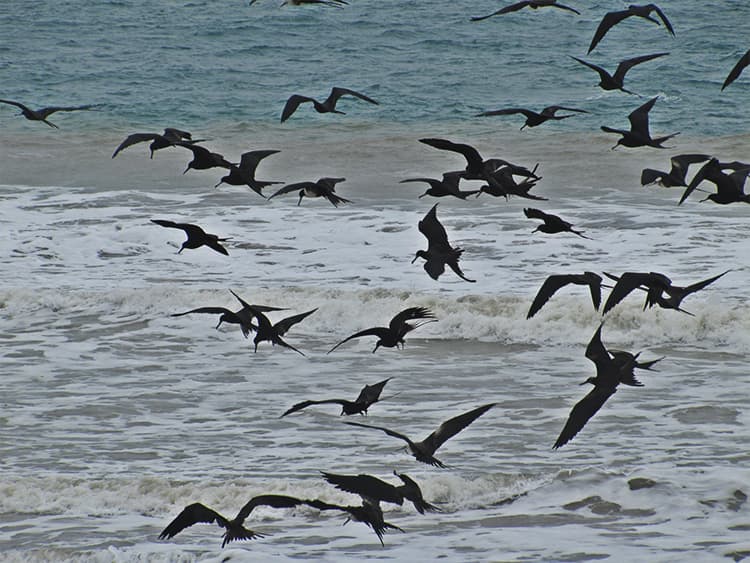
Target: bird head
[419, 254]
[591, 380]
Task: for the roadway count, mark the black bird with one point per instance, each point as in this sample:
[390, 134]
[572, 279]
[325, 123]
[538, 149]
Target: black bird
[244, 173]
[730, 188]
[424, 451]
[235, 529]
[169, 138]
[376, 490]
[613, 18]
[533, 118]
[333, 3]
[552, 223]
[196, 236]
[439, 251]
[327, 106]
[368, 513]
[203, 159]
[42, 114]
[323, 187]
[555, 282]
[505, 185]
[368, 396]
[448, 186]
[616, 81]
[737, 69]
[676, 175]
[609, 374]
[393, 335]
[476, 167]
[659, 289]
[639, 135]
[533, 4]
[243, 317]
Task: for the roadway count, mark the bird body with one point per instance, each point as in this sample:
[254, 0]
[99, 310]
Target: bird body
[730, 188]
[533, 4]
[448, 186]
[42, 114]
[639, 135]
[439, 251]
[616, 81]
[244, 172]
[326, 106]
[203, 159]
[169, 138]
[196, 236]
[368, 396]
[323, 187]
[393, 335]
[552, 223]
[611, 19]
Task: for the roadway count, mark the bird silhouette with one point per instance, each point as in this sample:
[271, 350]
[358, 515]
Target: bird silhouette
[448, 186]
[730, 188]
[737, 70]
[534, 118]
[235, 530]
[609, 374]
[552, 223]
[611, 19]
[557, 281]
[368, 396]
[424, 451]
[639, 135]
[369, 513]
[323, 187]
[376, 490]
[392, 335]
[326, 106]
[42, 114]
[196, 236]
[244, 172]
[169, 138]
[203, 159]
[439, 251]
[676, 174]
[505, 185]
[533, 4]
[616, 81]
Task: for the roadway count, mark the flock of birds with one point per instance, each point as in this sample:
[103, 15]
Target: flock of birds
[501, 179]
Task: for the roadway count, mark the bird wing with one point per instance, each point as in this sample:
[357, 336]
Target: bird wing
[433, 230]
[548, 289]
[371, 393]
[602, 72]
[45, 112]
[594, 281]
[305, 404]
[133, 139]
[705, 171]
[249, 160]
[629, 281]
[386, 430]
[284, 325]
[434, 268]
[172, 225]
[213, 243]
[681, 162]
[649, 176]
[533, 213]
[551, 110]
[274, 501]
[19, 105]
[210, 310]
[639, 117]
[193, 514]
[563, 7]
[365, 486]
[174, 134]
[663, 17]
[411, 313]
[413, 492]
[582, 412]
[337, 92]
[453, 426]
[293, 187]
[609, 20]
[595, 350]
[292, 104]
[701, 284]
[507, 9]
[734, 73]
[627, 64]
[379, 331]
[508, 111]
[472, 156]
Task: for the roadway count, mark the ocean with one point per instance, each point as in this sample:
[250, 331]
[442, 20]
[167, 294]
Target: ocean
[116, 415]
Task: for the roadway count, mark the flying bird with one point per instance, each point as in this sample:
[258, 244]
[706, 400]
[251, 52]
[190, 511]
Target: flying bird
[369, 513]
[393, 335]
[505, 185]
[448, 186]
[244, 172]
[611, 19]
[730, 188]
[533, 4]
[552, 223]
[639, 135]
[616, 81]
[676, 175]
[326, 106]
[534, 118]
[376, 490]
[368, 396]
[203, 159]
[439, 251]
[235, 530]
[42, 114]
[323, 187]
[169, 138]
[737, 70]
[424, 451]
[196, 236]
[557, 281]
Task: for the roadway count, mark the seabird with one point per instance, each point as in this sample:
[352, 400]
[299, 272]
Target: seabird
[737, 70]
[323, 187]
[42, 114]
[730, 188]
[448, 186]
[552, 223]
[424, 451]
[327, 106]
[392, 335]
[615, 81]
[639, 135]
[533, 4]
[368, 513]
[244, 172]
[203, 159]
[505, 185]
[376, 490]
[557, 281]
[676, 175]
[533, 118]
[613, 18]
[368, 396]
[169, 138]
[439, 251]
[196, 236]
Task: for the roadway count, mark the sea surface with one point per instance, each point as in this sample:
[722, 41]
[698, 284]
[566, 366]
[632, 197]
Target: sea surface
[114, 415]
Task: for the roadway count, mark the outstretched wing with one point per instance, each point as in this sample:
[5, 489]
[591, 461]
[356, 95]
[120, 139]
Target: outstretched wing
[472, 156]
[19, 105]
[610, 19]
[639, 117]
[453, 426]
[627, 64]
[172, 225]
[736, 70]
[249, 160]
[663, 17]
[305, 404]
[46, 112]
[386, 430]
[337, 92]
[193, 514]
[533, 213]
[365, 486]
[692, 288]
[603, 74]
[292, 104]
[210, 310]
[284, 325]
[548, 289]
[379, 331]
[371, 393]
[507, 9]
[411, 313]
[582, 412]
[133, 139]
[274, 501]
[413, 492]
[433, 230]
[293, 188]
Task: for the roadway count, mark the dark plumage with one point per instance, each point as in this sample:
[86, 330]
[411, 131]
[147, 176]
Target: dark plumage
[368, 513]
[639, 135]
[448, 186]
[676, 175]
[534, 118]
[730, 188]
[169, 138]
[326, 106]
[368, 396]
[505, 185]
[376, 490]
[552, 223]
[244, 172]
[555, 282]
[616, 81]
[424, 451]
[393, 335]
[439, 251]
[533, 4]
[611, 19]
[42, 114]
[324, 187]
[203, 159]
[737, 70]
[196, 236]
